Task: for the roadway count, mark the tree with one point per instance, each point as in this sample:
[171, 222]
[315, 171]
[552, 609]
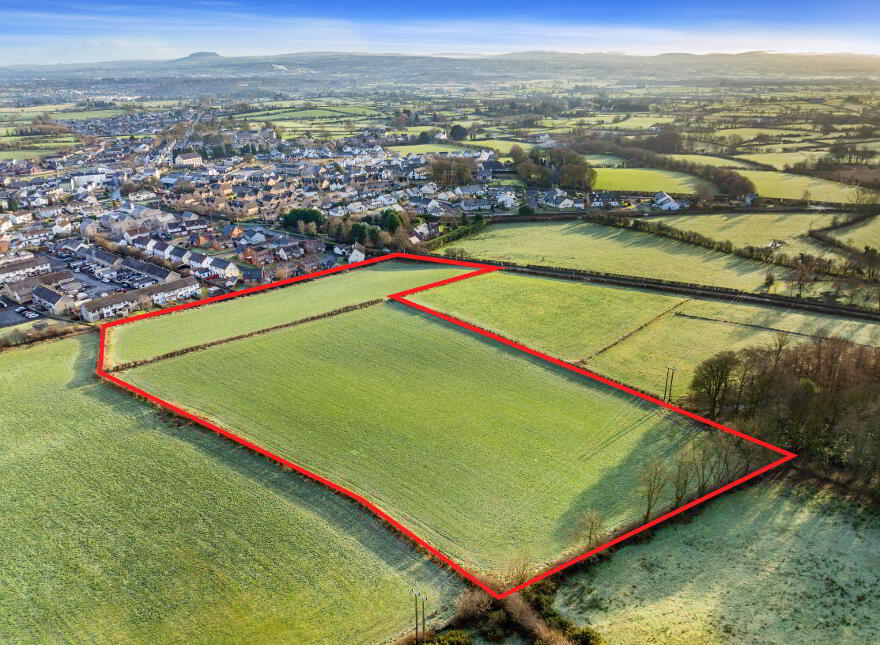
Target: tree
[590, 527]
[457, 132]
[682, 474]
[652, 480]
[712, 378]
[526, 210]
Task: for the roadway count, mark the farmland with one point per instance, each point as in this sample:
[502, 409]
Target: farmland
[759, 229]
[518, 481]
[604, 328]
[582, 245]
[763, 565]
[863, 234]
[649, 180]
[780, 185]
[424, 148]
[147, 338]
[119, 526]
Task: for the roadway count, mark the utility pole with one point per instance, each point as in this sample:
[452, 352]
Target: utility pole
[424, 629]
[671, 377]
[416, 596]
[666, 384]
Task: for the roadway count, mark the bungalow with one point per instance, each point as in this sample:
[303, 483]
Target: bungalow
[470, 205]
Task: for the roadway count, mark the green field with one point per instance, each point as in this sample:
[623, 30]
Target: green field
[503, 146]
[769, 565]
[424, 148]
[582, 245]
[565, 318]
[598, 160]
[374, 400]
[683, 339]
[860, 235]
[781, 159]
[152, 337]
[117, 526]
[779, 185]
[759, 229]
[602, 326]
[709, 160]
[650, 180]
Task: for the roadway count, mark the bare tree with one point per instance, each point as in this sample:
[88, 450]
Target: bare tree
[682, 475]
[652, 481]
[590, 527]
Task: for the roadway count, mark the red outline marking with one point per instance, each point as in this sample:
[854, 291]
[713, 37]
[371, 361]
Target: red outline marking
[400, 298]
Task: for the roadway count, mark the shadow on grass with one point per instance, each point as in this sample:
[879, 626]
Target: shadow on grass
[351, 520]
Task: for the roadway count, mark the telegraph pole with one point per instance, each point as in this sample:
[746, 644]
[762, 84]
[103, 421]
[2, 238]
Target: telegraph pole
[671, 377]
[424, 629]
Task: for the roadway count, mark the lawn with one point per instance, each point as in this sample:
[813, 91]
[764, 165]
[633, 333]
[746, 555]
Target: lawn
[650, 180]
[599, 160]
[489, 455]
[583, 245]
[423, 148]
[779, 185]
[769, 565]
[759, 229]
[155, 336]
[860, 235]
[117, 526]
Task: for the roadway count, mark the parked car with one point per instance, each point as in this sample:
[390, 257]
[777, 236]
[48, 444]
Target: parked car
[20, 309]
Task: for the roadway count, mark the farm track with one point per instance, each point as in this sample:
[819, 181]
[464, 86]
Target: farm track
[258, 332]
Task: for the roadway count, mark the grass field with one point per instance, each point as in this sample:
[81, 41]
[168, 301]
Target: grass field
[503, 146]
[582, 245]
[424, 148]
[769, 565]
[758, 229]
[860, 235]
[152, 337]
[781, 159]
[650, 180]
[598, 160]
[374, 400]
[603, 325]
[683, 339]
[116, 526]
[779, 185]
[565, 318]
[709, 160]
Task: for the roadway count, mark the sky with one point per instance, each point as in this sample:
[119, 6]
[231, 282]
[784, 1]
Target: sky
[54, 31]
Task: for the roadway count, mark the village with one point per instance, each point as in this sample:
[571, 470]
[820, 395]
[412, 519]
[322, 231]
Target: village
[119, 225]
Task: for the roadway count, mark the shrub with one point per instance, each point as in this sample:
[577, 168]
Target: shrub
[497, 626]
[453, 637]
[585, 636]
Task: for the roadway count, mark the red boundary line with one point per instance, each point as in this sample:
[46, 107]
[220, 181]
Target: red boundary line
[400, 298]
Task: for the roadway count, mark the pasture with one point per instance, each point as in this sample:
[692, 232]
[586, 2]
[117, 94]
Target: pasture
[650, 180]
[860, 235]
[155, 336]
[759, 229]
[424, 148]
[117, 525]
[504, 482]
[780, 160]
[584, 245]
[502, 146]
[779, 185]
[771, 565]
[630, 335]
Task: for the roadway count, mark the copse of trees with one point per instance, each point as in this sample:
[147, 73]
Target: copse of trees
[452, 172]
[554, 166]
[728, 181]
[819, 399]
[305, 215]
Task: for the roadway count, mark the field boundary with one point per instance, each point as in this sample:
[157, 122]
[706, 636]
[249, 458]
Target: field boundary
[400, 297]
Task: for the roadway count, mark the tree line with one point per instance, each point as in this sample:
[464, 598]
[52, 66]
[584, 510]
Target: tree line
[546, 167]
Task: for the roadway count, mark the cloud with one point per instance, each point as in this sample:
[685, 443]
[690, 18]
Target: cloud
[83, 34]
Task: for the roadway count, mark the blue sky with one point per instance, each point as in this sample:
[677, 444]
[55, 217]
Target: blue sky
[55, 31]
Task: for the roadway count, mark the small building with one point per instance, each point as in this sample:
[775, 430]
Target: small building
[358, 253]
[51, 300]
[188, 159]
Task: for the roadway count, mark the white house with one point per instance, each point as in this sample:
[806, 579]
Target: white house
[358, 254]
[665, 203]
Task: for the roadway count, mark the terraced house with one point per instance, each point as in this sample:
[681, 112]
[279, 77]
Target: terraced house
[124, 303]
